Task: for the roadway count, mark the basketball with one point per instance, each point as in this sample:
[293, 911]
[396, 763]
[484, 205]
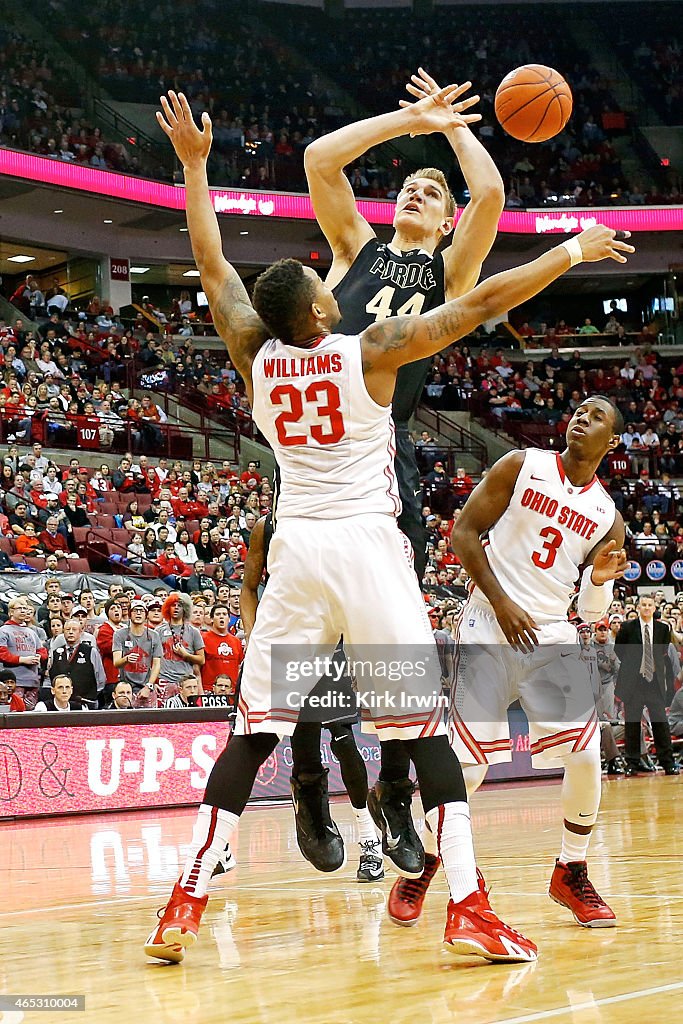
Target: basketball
[533, 103]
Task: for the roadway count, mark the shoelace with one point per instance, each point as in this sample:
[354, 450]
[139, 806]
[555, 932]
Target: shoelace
[412, 889]
[370, 846]
[581, 886]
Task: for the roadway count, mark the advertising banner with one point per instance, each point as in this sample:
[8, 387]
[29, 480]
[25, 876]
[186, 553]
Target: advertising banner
[109, 767]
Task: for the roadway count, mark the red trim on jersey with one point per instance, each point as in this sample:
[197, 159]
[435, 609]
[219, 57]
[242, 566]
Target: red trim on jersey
[556, 739]
[439, 826]
[563, 475]
[390, 473]
[588, 733]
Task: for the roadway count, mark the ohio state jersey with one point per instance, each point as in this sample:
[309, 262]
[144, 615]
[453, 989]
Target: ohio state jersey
[333, 443]
[545, 534]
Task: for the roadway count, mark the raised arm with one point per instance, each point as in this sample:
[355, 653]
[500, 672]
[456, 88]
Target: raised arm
[389, 344]
[477, 226]
[325, 159]
[233, 314]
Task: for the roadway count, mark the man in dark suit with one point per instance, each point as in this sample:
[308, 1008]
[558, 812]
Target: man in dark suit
[645, 680]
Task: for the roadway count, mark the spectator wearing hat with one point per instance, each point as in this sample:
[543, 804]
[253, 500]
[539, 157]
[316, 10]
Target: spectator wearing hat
[136, 653]
[438, 476]
[608, 667]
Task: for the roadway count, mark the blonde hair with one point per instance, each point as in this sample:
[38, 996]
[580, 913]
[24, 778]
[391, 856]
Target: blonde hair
[440, 178]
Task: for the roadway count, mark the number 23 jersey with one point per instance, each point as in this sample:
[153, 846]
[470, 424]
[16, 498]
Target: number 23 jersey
[334, 445]
[545, 534]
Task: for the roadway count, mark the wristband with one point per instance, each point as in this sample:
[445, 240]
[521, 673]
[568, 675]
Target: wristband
[574, 250]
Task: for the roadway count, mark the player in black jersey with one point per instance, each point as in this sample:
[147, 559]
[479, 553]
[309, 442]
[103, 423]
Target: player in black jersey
[411, 274]
[318, 837]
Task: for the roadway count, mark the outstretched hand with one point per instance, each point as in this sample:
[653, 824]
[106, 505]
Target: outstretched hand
[610, 563]
[191, 145]
[600, 243]
[437, 109]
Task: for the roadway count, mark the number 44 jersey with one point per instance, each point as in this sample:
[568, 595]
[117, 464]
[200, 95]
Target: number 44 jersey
[545, 534]
[334, 445]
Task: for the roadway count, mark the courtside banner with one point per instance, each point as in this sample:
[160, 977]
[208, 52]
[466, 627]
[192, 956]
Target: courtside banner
[76, 769]
[291, 206]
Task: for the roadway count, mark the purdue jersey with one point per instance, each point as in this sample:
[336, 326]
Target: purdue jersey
[333, 443]
[384, 282]
[545, 534]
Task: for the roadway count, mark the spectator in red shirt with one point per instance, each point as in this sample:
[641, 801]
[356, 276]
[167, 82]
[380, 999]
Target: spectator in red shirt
[8, 694]
[54, 543]
[250, 478]
[463, 486]
[104, 637]
[171, 568]
[223, 651]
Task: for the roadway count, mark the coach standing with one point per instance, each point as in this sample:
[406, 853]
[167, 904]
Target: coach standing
[644, 680]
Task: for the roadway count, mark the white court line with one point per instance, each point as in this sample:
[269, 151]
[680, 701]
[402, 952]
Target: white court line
[590, 1004]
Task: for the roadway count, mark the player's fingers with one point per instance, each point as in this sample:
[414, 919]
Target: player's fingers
[621, 235]
[165, 126]
[416, 91]
[470, 118]
[175, 103]
[609, 547]
[207, 127]
[427, 78]
[184, 106]
[168, 111]
[623, 247]
[465, 104]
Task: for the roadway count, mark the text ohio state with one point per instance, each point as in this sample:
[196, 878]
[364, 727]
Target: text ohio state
[550, 508]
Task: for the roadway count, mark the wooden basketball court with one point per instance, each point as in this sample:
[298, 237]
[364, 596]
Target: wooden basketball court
[282, 943]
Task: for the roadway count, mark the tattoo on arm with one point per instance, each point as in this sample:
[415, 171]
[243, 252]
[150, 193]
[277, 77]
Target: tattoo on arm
[444, 324]
[237, 321]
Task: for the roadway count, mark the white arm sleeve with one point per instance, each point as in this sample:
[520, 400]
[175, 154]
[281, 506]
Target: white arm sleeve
[593, 601]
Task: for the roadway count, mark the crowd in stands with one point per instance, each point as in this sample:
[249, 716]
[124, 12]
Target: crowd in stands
[650, 49]
[267, 106]
[41, 111]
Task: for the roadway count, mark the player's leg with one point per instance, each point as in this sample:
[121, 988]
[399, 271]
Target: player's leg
[317, 835]
[392, 794]
[556, 683]
[355, 777]
[227, 791]
[471, 927]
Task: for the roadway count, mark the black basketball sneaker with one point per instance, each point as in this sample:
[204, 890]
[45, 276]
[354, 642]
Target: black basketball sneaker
[318, 837]
[389, 805]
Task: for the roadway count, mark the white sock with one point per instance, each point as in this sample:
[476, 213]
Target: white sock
[574, 846]
[429, 841]
[212, 831]
[451, 825]
[366, 826]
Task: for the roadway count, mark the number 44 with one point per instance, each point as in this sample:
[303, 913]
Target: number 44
[380, 304]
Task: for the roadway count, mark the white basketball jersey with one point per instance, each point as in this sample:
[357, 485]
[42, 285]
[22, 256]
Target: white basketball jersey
[545, 534]
[333, 444]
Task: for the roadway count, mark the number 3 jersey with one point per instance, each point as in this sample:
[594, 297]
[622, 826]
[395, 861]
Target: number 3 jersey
[334, 445]
[384, 282]
[545, 534]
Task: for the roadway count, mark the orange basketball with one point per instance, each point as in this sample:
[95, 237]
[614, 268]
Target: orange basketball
[533, 103]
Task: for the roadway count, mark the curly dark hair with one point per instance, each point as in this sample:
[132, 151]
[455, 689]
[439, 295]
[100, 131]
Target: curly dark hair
[282, 296]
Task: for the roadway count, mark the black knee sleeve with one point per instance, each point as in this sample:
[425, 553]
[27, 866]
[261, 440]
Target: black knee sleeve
[395, 761]
[438, 771]
[353, 771]
[232, 777]
[306, 749]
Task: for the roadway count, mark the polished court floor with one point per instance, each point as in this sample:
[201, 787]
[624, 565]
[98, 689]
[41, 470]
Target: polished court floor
[282, 943]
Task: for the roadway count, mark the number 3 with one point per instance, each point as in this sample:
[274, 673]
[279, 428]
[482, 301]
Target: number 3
[553, 539]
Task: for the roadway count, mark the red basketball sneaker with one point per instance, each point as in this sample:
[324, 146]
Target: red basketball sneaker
[571, 888]
[178, 926]
[472, 929]
[407, 894]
